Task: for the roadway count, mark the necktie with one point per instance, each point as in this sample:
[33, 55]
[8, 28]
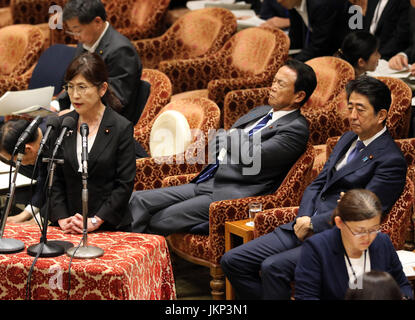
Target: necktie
[359, 146]
[210, 170]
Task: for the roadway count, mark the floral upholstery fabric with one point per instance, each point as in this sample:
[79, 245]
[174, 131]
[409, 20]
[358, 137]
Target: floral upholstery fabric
[196, 34]
[160, 93]
[20, 48]
[202, 115]
[4, 3]
[249, 59]
[145, 18]
[209, 249]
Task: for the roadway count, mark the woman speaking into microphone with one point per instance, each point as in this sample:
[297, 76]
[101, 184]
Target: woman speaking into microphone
[111, 154]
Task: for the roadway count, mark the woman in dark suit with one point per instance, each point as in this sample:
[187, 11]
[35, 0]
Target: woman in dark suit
[333, 261]
[111, 155]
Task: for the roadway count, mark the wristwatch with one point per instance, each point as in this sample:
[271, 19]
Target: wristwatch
[94, 221]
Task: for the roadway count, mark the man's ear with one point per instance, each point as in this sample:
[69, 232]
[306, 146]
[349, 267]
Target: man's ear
[382, 114]
[338, 221]
[300, 96]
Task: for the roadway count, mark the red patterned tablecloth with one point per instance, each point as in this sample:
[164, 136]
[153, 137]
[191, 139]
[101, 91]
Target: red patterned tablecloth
[134, 267]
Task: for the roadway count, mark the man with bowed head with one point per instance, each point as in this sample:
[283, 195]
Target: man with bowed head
[366, 157]
[276, 135]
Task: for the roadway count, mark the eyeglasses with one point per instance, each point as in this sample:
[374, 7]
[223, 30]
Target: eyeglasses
[81, 89]
[362, 234]
[73, 34]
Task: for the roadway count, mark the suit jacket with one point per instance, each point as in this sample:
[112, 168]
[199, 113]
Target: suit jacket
[329, 23]
[393, 29]
[124, 69]
[380, 168]
[321, 272]
[279, 145]
[111, 172]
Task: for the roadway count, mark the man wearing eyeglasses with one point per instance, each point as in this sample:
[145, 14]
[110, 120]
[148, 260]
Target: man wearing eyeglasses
[85, 20]
[366, 158]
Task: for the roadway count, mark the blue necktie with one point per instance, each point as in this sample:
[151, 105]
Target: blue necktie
[211, 169]
[359, 147]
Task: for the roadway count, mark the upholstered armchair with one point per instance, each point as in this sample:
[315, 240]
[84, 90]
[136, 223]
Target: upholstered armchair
[160, 93]
[207, 250]
[196, 34]
[202, 116]
[20, 48]
[35, 12]
[137, 19]
[249, 59]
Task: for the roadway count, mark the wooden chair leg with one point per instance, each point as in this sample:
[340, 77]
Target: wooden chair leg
[217, 284]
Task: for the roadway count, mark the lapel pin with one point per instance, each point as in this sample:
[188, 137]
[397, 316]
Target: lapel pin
[107, 131]
[69, 133]
[365, 159]
[371, 157]
[100, 52]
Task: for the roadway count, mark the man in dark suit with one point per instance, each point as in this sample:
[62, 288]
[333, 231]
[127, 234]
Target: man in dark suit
[86, 22]
[275, 136]
[401, 60]
[317, 27]
[388, 20]
[366, 158]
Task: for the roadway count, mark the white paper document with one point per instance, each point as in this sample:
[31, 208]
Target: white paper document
[407, 259]
[31, 102]
[383, 70]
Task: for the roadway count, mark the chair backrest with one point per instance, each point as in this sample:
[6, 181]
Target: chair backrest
[332, 76]
[135, 13]
[20, 48]
[33, 11]
[253, 51]
[201, 32]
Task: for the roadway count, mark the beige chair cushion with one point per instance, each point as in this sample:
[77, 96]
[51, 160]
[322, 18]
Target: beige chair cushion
[170, 134]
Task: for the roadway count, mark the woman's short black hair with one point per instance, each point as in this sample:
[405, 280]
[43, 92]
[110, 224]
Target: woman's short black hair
[84, 10]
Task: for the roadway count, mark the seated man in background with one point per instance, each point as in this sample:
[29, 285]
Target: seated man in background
[388, 20]
[275, 135]
[402, 59]
[317, 27]
[366, 157]
[86, 21]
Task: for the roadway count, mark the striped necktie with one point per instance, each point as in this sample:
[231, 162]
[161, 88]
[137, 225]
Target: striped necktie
[210, 170]
[359, 147]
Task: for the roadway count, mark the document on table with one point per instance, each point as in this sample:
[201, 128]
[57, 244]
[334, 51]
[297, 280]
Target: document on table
[407, 259]
[383, 70]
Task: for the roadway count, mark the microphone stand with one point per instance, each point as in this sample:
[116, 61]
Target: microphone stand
[51, 248]
[85, 251]
[11, 245]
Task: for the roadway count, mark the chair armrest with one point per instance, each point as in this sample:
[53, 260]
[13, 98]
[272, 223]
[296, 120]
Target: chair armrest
[266, 221]
[190, 74]
[150, 172]
[16, 82]
[146, 49]
[178, 180]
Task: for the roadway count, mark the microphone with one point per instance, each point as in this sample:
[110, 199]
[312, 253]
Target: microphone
[52, 123]
[68, 123]
[28, 133]
[84, 154]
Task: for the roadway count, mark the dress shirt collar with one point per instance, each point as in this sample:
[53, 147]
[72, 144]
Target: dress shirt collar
[95, 45]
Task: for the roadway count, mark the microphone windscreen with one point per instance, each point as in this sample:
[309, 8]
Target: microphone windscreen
[53, 121]
[84, 129]
[69, 122]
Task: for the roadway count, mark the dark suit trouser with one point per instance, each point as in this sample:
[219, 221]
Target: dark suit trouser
[173, 209]
[264, 267]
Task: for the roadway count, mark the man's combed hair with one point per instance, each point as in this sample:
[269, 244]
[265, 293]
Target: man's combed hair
[375, 90]
[84, 10]
[306, 78]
